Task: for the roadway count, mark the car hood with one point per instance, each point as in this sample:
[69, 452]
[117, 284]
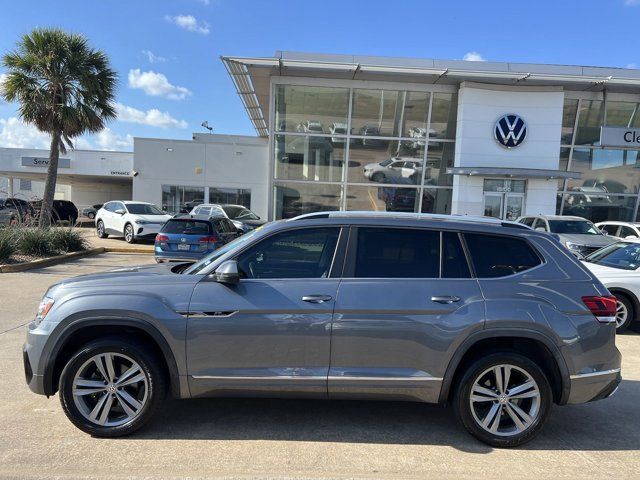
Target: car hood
[589, 240]
[604, 272]
[150, 218]
[370, 166]
[131, 278]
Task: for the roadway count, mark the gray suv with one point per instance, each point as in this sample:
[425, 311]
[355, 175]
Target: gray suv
[492, 317]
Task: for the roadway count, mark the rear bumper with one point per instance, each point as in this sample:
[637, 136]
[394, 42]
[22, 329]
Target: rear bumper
[589, 387]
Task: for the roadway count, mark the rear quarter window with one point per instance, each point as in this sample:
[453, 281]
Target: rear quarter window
[495, 256]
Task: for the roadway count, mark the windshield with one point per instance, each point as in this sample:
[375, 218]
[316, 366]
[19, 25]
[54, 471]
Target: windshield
[577, 227]
[239, 213]
[209, 259]
[386, 162]
[623, 255]
[143, 209]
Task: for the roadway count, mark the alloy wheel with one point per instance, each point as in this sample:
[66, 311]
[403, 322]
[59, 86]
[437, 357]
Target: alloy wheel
[110, 389]
[622, 313]
[128, 233]
[100, 229]
[505, 400]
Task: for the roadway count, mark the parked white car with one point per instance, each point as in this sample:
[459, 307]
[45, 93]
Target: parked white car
[129, 219]
[338, 128]
[618, 268]
[393, 168]
[625, 230]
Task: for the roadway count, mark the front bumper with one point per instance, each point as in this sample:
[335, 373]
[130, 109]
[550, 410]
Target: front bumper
[147, 231]
[31, 356]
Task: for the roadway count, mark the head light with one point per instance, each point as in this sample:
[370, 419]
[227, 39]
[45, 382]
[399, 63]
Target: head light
[43, 309]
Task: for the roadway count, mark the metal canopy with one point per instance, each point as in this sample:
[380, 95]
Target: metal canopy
[251, 75]
[514, 172]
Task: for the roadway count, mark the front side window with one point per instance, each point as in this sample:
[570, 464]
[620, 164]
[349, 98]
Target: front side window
[610, 229]
[300, 253]
[397, 253]
[495, 256]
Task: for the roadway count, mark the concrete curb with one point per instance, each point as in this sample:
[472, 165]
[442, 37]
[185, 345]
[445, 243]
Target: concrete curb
[127, 250]
[45, 262]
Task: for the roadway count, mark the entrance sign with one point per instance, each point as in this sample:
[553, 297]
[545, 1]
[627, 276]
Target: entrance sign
[619, 137]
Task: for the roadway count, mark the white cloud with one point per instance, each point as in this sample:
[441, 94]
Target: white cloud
[632, 65]
[3, 77]
[156, 84]
[473, 57]
[14, 133]
[631, 3]
[153, 58]
[206, 3]
[189, 23]
[109, 140]
[153, 117]
[82, 143]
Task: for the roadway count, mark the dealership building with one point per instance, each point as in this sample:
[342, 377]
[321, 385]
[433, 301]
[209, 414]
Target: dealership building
[343, 132]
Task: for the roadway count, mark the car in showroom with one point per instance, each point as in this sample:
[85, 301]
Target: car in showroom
[617, 266]
[623, 230]
[310, 126]
[243, 218]
[131, 220]
[494, 318]
[394, 168]
[90, 212]
[578, 234]
[188, 238]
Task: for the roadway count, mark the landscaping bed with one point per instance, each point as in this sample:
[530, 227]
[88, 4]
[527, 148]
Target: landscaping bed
[22, 244]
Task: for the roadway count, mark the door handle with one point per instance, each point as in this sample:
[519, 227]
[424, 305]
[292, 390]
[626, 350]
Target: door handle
[445, 299]
[316, 298]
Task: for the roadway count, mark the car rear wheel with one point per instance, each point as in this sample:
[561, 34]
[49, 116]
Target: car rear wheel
[112, 387]
[91, 215]
[128, 234]
[503, 399]
[100, 230]
[624, 312]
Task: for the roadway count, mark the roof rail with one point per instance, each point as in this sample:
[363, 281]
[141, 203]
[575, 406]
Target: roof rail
[410, 215]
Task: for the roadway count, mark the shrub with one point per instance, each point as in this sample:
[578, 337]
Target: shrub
[7, 243]
[35, 241]
[67, 240]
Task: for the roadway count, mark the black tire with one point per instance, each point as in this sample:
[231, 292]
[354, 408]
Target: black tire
[155, 377]
[128, 233]
[628, 305]
[378, 177]
[100, 229]
[91, 215]
[466, 415]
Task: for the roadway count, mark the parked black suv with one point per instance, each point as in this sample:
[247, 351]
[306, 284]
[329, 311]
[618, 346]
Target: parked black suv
[63, 211]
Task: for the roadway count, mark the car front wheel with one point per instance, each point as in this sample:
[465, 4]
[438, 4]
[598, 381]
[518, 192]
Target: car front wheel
[503, 399]
[128, 234]
[100, 230]
[112, 387]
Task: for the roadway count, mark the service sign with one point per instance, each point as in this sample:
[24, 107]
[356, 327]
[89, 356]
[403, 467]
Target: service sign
[44, 162]
[619, 137]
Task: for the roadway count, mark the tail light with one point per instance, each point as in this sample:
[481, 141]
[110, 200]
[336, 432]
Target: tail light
[603, 307]
[210, 239]
[162, 238]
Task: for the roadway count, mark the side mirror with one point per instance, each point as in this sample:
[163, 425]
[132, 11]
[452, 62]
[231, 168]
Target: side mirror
[120, 211]
[227, 273]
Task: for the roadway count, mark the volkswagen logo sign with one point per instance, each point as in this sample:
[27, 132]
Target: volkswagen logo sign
[510, 130]
[183, 240]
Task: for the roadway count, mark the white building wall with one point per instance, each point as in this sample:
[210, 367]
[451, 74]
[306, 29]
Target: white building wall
[479, 107]
[227, 161]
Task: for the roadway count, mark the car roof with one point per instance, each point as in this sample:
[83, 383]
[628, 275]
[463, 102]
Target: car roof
[187, 216]
[127, 202]
[555, 217]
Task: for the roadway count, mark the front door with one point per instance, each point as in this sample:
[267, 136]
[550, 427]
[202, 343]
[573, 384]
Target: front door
[503, 199]
[271, 333]
[406, 299]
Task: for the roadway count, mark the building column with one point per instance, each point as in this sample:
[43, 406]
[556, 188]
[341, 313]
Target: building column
[10, 187]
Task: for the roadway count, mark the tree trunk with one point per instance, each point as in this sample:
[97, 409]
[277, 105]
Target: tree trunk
[50, 185]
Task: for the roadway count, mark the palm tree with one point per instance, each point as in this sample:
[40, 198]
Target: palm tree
[64, 87]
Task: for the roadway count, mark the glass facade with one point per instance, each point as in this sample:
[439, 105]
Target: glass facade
[179, 199]
[610, 183]
[362, 149]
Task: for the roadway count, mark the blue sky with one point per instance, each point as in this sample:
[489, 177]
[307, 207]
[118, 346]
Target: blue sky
[171, 79]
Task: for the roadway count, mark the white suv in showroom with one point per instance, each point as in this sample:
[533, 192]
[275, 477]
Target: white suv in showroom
[131, 220]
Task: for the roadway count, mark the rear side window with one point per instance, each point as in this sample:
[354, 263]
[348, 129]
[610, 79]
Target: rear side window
[454, 261]
[495, 256]
[397, 253]
[187, 227]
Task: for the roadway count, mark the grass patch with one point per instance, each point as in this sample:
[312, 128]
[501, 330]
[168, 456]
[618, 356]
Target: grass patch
[67, 240]
[7, 243]
[35, 242]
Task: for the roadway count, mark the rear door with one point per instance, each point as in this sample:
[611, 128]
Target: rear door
[406, 301]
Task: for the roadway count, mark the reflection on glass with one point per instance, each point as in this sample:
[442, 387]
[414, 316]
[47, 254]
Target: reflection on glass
[443, 115]
[308, 158]
[233, 196]
[179, 199]
[376, 112]
[293, 199]
[415, 115]
[589, 122]
[393, 162]
[563, 165]
[623, 114]
[436, 200]
[439, 158]
[568, 120]
[310, 109]
[605, 171]
[598, 207]
[383, 198]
